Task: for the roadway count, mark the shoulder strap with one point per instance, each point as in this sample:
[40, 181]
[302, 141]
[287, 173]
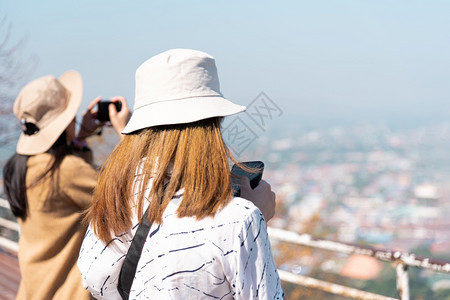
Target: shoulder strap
[129, 266]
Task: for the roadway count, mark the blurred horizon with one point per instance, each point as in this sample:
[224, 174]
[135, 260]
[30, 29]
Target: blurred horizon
[323, 62]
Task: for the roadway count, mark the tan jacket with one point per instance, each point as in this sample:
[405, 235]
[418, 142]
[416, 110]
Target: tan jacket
[51, 235]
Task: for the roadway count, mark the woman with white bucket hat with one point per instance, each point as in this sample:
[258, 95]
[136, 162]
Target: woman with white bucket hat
[171, 174]
[49, 182]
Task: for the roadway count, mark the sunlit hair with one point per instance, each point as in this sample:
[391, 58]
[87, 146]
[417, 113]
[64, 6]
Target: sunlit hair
[200, 165]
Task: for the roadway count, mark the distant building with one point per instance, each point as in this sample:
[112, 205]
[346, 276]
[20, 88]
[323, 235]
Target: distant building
[427, 194]
[361, 267]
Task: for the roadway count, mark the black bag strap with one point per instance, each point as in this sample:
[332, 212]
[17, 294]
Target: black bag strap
[129, 266]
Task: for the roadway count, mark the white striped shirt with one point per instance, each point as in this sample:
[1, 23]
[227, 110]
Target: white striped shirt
[227, 256]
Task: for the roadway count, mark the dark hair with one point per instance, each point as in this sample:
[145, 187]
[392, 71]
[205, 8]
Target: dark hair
[15, 171]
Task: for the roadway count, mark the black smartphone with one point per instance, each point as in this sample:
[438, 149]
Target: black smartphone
[103, 111]
[255, 175]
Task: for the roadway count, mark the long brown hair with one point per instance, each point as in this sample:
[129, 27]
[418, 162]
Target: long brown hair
[199, 161]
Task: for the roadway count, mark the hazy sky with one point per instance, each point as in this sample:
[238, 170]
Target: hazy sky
[319, 60]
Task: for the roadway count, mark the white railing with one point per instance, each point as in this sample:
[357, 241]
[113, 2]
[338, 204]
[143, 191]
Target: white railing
[4, 242]
[401, 260]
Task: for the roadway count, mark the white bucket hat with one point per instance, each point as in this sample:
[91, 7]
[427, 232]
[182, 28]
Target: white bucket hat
[45, 107]
[178, 86]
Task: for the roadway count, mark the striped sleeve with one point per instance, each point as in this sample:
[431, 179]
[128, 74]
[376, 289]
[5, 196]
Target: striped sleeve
[256, 273]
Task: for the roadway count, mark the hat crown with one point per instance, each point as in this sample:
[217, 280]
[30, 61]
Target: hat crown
[41, 101]
[176, 74]
[178, 86]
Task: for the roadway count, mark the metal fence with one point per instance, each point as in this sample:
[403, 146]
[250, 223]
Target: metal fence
[402, 261]
[4, 242]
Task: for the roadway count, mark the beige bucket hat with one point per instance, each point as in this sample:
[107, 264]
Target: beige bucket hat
[45, 107]
[178, 86]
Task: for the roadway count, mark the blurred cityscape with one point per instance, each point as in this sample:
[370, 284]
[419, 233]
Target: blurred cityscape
[367, 183]
[362, 184]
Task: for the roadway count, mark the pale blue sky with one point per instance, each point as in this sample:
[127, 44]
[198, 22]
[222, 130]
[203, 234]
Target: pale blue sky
[319, 60]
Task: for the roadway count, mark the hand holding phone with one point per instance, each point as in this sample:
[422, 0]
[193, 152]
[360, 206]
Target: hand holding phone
[262, 196]
[103, 109]
[249, 185]
[254, 174]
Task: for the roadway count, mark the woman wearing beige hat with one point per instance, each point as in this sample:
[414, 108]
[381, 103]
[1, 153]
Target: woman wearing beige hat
[171, 174]
[48, 184]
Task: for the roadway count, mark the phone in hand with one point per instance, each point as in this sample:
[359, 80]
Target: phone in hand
[254, 174]
[103, 111]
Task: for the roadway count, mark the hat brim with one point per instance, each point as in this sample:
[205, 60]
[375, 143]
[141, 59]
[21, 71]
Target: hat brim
[181, 111]
[42, 140]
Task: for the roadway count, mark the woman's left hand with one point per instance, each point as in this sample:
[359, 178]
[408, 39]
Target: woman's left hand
[262, 196]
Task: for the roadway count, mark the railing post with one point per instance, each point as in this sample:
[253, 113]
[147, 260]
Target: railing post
[402, 281]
